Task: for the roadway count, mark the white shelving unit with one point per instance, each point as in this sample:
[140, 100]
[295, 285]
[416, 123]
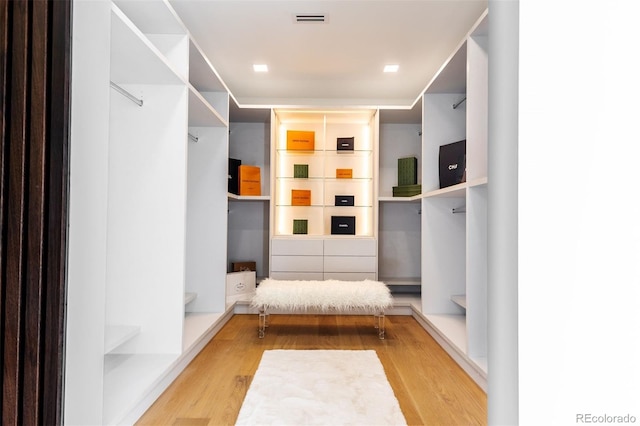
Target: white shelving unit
[399, 217]
[248, 222]
[206, 186]
[147, 276]
[319, 254]
[454, 219]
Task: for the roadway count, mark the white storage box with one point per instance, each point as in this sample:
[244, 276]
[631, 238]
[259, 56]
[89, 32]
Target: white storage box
[240, 285]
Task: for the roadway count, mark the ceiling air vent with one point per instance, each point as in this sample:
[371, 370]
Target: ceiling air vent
[310, 18]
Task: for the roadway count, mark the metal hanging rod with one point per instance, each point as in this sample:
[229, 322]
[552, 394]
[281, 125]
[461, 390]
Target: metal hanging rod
[457, 104]
[193, 138]
[125, 93]
[459, 210]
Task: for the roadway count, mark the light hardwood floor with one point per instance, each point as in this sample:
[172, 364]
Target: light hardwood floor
[431, 388]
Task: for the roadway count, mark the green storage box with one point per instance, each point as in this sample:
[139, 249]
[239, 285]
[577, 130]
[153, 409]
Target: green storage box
[407, 171]
[300, 226]
[301, 171]
[407, 190]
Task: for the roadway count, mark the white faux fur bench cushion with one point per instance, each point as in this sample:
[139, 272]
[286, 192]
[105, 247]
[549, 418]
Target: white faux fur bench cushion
[324, 295]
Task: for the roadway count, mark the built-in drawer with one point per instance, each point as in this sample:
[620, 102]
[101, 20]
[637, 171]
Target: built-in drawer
[286, 247]
[297, 263]
[350, 264]
[350, 247]
[312, 276]
[350, 276]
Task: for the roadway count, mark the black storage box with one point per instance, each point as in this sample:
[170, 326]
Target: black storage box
[344, 200]
[452, 163]
[233, 175]
[345, 144]
[343, 225]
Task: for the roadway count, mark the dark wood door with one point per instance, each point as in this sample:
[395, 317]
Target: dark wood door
[34, 99]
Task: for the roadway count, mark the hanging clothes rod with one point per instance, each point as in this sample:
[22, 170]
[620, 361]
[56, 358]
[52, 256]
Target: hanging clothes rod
[457, 104]
[193, 138]
[125, 93]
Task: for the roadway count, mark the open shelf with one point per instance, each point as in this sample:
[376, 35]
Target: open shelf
[452, 327]
[195, 325]
[190, 297]
[400, 199]
[460, 300]
[134, 59]
[152, 16]
[453, 191]
[116, 335]
[231, 196]
[127, 379]
[391, 281]
[479, 182]
[201, 113]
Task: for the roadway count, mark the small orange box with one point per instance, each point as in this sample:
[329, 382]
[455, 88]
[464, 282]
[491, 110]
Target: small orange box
[344, 173]
[249, 180]
[300, 197]
[301, 140]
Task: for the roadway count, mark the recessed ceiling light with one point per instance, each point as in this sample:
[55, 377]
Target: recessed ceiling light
[260, 68]
[391, 68]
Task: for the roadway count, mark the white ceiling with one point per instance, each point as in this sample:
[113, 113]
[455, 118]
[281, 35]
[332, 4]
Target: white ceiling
[337, 63]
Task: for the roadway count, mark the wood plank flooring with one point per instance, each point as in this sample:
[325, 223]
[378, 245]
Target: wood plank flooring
[431, 388]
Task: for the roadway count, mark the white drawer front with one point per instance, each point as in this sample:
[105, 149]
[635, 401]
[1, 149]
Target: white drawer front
[350, 276]
[297, 276]
[349, 264]
[350, 247]
[285, 247]
[296, 263]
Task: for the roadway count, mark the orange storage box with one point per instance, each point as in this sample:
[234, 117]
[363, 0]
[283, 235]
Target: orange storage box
[300, 197]
[301, 140]
[249, 180]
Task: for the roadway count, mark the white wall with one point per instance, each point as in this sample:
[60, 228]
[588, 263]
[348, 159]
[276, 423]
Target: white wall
[578, 275]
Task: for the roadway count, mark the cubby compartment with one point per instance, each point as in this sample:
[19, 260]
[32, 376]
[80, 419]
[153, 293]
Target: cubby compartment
[454, 218]
[249, 216]
[399, 224]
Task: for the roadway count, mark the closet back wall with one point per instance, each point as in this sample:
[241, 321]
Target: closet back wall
[248, 233]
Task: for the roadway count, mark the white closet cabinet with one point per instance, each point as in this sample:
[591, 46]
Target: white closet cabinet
[148, 207]
[454, 219]
[399, 234]
[248, 219]
[319, 252]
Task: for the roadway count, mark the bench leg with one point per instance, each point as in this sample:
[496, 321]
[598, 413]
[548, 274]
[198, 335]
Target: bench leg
[379, 318]
[263, 321]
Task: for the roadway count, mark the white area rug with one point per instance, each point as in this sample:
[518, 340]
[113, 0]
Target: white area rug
[320, 387]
